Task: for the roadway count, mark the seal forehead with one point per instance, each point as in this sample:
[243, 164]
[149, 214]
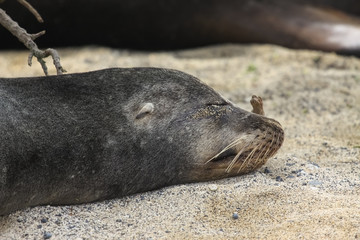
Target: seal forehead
[173, 83]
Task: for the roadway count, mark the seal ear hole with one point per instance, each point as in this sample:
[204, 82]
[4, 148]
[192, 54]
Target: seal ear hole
[146, 109]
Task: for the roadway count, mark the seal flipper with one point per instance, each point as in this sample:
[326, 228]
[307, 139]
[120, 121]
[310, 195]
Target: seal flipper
[305, 26]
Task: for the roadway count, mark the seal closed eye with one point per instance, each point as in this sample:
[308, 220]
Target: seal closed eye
[86, 137]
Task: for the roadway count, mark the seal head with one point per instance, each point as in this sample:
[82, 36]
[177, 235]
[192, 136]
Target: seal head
[230, 141]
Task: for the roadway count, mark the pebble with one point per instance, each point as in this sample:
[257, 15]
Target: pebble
[213, 187]
[235, 215]
[314, 183]
[266, 170]
[44, 220]
[301, 172]
[47, 235]
[312, 167]
[279, 179]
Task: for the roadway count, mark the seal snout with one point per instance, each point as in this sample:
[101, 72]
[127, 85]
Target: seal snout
[259, 146]
[257, 141]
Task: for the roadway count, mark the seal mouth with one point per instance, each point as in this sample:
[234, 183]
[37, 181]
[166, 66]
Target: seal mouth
[248, 152]
[228, 154]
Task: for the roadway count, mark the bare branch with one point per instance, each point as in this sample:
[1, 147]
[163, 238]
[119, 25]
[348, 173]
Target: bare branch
[27, 40]
[36, 35]
[31, 9]
[39, 54]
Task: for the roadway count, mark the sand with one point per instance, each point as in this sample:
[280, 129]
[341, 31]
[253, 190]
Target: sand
[309, 190]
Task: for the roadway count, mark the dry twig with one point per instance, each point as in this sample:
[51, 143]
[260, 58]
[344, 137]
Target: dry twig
[28, 40]
[31, 9]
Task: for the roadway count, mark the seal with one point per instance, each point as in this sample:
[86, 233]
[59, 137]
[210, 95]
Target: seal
[79, 138]
[327, 25]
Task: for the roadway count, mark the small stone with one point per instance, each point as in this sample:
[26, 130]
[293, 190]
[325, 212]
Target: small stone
[301, 172]
[314, 183]
[44, 220]
[235, 215]
[47, 235]
[312, 167]
[315, 164]
[213, 187]
[39, 226]
[279, 179]
[266, 170]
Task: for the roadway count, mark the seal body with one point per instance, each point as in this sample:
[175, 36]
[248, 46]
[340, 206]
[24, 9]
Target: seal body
[79, 138]
[328, 25]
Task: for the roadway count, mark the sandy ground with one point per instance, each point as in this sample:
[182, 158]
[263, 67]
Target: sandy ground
[309, 190]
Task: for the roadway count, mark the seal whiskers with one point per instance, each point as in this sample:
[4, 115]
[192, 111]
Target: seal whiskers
[268, 151]
[259, 158]
[228, 169]
[243, 164]
[231, 145]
